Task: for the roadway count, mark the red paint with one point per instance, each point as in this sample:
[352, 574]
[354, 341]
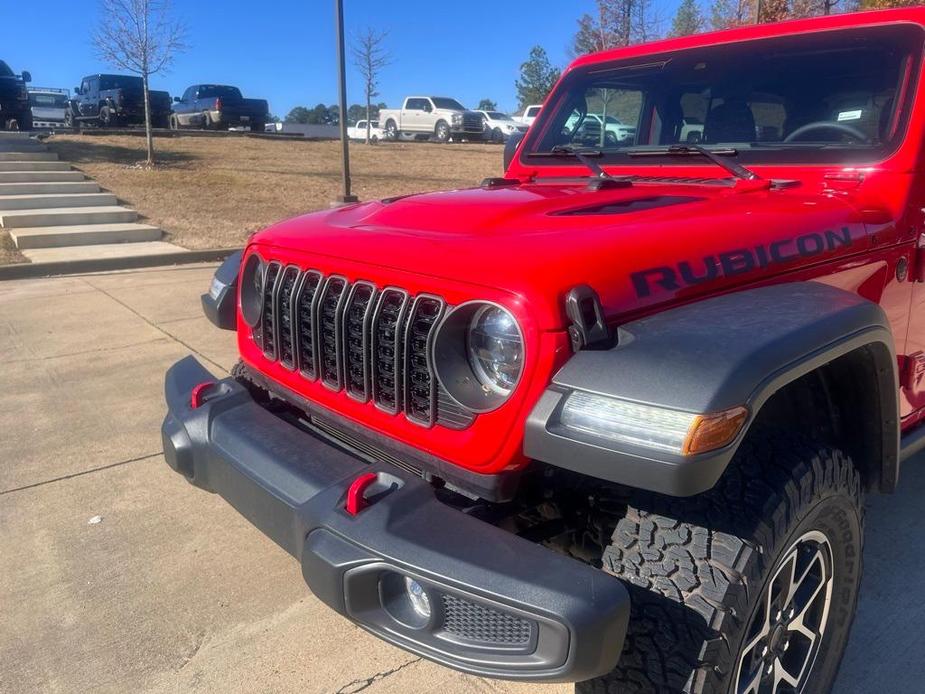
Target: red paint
[197, 397]
[356, 501]
[509, 246]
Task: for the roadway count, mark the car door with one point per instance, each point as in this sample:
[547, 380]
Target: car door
[85, 99]
[184, 107]
[412, 115]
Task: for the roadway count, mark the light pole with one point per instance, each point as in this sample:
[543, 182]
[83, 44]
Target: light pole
[347, 196]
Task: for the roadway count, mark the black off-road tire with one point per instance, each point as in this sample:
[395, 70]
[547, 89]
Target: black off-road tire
[105, 118]
[698, 569]
[70, 121]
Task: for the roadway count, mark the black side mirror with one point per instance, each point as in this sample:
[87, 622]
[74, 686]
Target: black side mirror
[26, 76]
[77, 90]
[176, 99]
[510, 148]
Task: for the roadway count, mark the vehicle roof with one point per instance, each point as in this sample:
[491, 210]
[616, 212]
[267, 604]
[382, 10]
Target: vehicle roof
[109, 74]
[911, 15]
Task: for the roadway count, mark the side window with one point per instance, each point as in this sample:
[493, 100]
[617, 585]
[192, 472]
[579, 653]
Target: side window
[415, 105]
[94, 85]
[533, 112]
[85, 86]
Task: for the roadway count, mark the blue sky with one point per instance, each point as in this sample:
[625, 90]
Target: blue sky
[284, 50]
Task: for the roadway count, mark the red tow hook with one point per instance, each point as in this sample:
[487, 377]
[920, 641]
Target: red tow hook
[356, 499]
[197, 397]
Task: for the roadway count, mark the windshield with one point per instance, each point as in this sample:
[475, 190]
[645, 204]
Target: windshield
[820, 97]
[119, 82]
[5, 70]
[215, 91]
[47, 100]
[495, 115]
[451, 104]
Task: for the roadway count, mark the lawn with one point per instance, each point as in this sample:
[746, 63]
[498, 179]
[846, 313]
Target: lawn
[211, 192]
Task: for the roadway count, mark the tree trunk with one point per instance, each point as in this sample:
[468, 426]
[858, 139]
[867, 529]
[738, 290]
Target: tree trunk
[149, 138]
[369, 122]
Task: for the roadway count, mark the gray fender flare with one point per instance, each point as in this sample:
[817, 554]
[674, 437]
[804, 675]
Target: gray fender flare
[733, 350]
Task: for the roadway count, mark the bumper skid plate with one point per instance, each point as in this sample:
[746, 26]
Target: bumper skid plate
[407, 568]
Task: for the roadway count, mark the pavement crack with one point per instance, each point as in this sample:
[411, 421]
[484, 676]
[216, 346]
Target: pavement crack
[156, 326]
[361, 684]
[81, 473]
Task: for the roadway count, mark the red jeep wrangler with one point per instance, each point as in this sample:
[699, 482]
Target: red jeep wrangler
[611, 418]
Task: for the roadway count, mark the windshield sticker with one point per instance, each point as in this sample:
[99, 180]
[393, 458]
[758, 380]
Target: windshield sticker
[738, 261]
[850, 115]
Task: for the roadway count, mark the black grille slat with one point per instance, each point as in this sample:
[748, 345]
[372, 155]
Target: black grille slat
[268, 317]
[374, 345]
[420, 381]
[387, 353]
[306, 307]
[330, 340]
[283, 308]
[357, 316]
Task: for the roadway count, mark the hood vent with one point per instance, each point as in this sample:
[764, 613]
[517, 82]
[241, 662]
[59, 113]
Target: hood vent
[628, 206]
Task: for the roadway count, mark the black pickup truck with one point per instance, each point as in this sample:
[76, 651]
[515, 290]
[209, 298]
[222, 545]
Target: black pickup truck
[115, 100]
[15, 112]
[217, 106]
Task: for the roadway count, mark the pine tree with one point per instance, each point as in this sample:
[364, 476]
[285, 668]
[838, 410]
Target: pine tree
[689, 19]
[537, 78]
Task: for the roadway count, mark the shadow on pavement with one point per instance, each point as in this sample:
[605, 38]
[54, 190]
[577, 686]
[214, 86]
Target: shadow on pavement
[886, 652]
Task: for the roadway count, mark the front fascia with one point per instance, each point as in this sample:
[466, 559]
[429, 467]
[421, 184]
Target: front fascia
[493, 442]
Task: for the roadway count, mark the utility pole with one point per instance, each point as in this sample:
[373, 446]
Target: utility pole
[347, 196]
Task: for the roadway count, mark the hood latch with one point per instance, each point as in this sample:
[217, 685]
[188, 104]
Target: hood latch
[589, 329]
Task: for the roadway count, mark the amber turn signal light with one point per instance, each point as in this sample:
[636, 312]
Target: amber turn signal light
[712, 431]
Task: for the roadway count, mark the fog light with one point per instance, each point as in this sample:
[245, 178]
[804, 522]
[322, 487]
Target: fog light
[420, 602]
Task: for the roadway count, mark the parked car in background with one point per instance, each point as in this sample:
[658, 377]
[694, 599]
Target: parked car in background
[432, 116]
[115, 100]
[358, 131]
[529, 115]
[48, 105]
[14, 99]
[619, 131]
[500, 126]
[218, 106]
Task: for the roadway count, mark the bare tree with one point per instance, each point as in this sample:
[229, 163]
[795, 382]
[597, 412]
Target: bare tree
[370, 57]
[139, 36]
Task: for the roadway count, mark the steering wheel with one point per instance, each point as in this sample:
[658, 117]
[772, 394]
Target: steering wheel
[827, 125]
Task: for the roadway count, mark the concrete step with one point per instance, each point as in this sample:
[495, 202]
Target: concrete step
[34, 166]
[47, 202]
[65, 216]
[83, 235]
[49, 188]
[40, 176]
[28, 156]
[108, 250]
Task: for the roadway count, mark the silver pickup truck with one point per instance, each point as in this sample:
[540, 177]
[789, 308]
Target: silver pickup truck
[432, 116]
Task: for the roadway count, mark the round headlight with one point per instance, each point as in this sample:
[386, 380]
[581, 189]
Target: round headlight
[496, 349]
[252, 289]
[478, 355]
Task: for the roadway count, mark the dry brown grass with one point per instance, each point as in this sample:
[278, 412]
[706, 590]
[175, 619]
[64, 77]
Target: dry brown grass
[8, 253]
[212, 192]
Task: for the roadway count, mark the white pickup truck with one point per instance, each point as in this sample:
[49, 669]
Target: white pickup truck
[432, 116]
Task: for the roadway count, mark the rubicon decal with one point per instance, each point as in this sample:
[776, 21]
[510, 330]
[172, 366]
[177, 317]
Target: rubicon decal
[738, 261]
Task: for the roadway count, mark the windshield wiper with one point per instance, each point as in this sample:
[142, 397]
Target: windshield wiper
[717, 156]
[602, 179]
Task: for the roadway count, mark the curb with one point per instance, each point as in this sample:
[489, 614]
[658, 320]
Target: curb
[79, 267]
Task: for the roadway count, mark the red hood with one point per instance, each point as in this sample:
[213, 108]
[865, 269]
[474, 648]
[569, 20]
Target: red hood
[539, 240]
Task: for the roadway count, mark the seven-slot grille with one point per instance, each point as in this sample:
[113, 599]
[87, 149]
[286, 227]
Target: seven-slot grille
[372, 344]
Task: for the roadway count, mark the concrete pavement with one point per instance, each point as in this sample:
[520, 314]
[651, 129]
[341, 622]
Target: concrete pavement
[171, 590]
